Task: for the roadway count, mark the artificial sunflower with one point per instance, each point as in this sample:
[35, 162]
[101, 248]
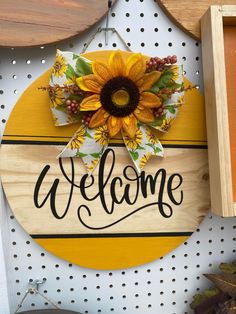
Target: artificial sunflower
[120, 93]
[175, 71]
[78, 139]
[132, 95]
[166, 124]
[134, 142]
[101, 135]
[59, 67]
[56, 96]
[151, 137]
[144, 160]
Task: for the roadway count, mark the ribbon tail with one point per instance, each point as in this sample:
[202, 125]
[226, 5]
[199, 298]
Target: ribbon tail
[142, 146]
[89, 145]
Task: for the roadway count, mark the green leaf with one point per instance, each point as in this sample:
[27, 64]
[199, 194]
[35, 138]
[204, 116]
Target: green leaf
[173, 85]
[200, 298]
[150, 145]
[80, 154]
[229, 268]
[88, 135]
[158, 121]
[157, 150]
[164, 97]
[140, 147]
[134, 155]
[83, 67]
[70, 72]
[62, 108]
[225, 282]
[164, 79]
[75, 56]
[95, 155]
[79, 98]
[170, 108]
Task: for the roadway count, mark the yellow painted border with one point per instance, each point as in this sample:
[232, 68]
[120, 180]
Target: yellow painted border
[31, 120]
[111, 253]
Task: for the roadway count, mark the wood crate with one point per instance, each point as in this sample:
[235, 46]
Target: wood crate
[218, 28]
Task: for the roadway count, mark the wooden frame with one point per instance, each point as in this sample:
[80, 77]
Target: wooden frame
[216, 104]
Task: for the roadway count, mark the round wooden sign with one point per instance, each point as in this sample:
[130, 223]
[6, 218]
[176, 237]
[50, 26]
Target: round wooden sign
[187, 14]
[36, 23]
[115, 218]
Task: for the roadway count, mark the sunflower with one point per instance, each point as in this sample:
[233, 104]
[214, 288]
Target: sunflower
[175, 71]
[180, 101]
[134, 142]
[120, 94]
[56, 96]
[101, 135]
[78, 139]
[166, 124]
[144, 160]
[151, 137]
[93, 164]
[59, 67]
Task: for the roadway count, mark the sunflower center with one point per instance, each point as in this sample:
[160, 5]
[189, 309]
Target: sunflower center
[120, 96]
[57, 66]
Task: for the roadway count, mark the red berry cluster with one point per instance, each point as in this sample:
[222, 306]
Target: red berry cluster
[158, 64]
[72, 106]
[158, 112]
[86, 118]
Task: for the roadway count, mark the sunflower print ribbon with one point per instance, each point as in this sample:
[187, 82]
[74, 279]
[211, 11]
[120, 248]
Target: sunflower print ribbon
[120, 96]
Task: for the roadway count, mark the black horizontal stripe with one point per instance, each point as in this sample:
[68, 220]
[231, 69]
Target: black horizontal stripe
[26, 142]
[67, 137]
[111, 235]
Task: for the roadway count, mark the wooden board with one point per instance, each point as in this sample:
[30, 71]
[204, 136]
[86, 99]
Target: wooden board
[230, 66]
[187, 14]
[89, 232]
[217, 113]
[32, 23]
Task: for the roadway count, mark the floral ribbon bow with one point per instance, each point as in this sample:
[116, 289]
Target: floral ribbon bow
[132, 95]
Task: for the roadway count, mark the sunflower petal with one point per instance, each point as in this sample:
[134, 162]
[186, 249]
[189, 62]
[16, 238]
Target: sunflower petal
[89, 83]
[148, 80]
[129, 125]
[114, 125]
[90, 103]
[143, 114]
[116, 64]
[98, 119]
[102, 71]
[136, 67]
[149, 100]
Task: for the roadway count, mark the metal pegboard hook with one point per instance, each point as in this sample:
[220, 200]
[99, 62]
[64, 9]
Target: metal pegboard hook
[33, 288]
[107, 21]
[106, 30]
[36, 283]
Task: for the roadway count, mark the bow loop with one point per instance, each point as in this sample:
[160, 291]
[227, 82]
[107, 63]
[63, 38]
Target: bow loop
[123, 95]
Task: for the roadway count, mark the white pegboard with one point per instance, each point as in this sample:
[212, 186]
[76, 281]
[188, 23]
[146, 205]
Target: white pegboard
[165, 286]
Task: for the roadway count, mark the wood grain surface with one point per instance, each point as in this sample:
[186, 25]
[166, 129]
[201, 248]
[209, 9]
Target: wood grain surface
[187, 14]
[98, 237]
[31, 23]
[219, 151]
[230, 66]
[22, 165]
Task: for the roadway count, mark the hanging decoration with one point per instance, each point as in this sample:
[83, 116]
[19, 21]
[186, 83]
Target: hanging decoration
[134, 97]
